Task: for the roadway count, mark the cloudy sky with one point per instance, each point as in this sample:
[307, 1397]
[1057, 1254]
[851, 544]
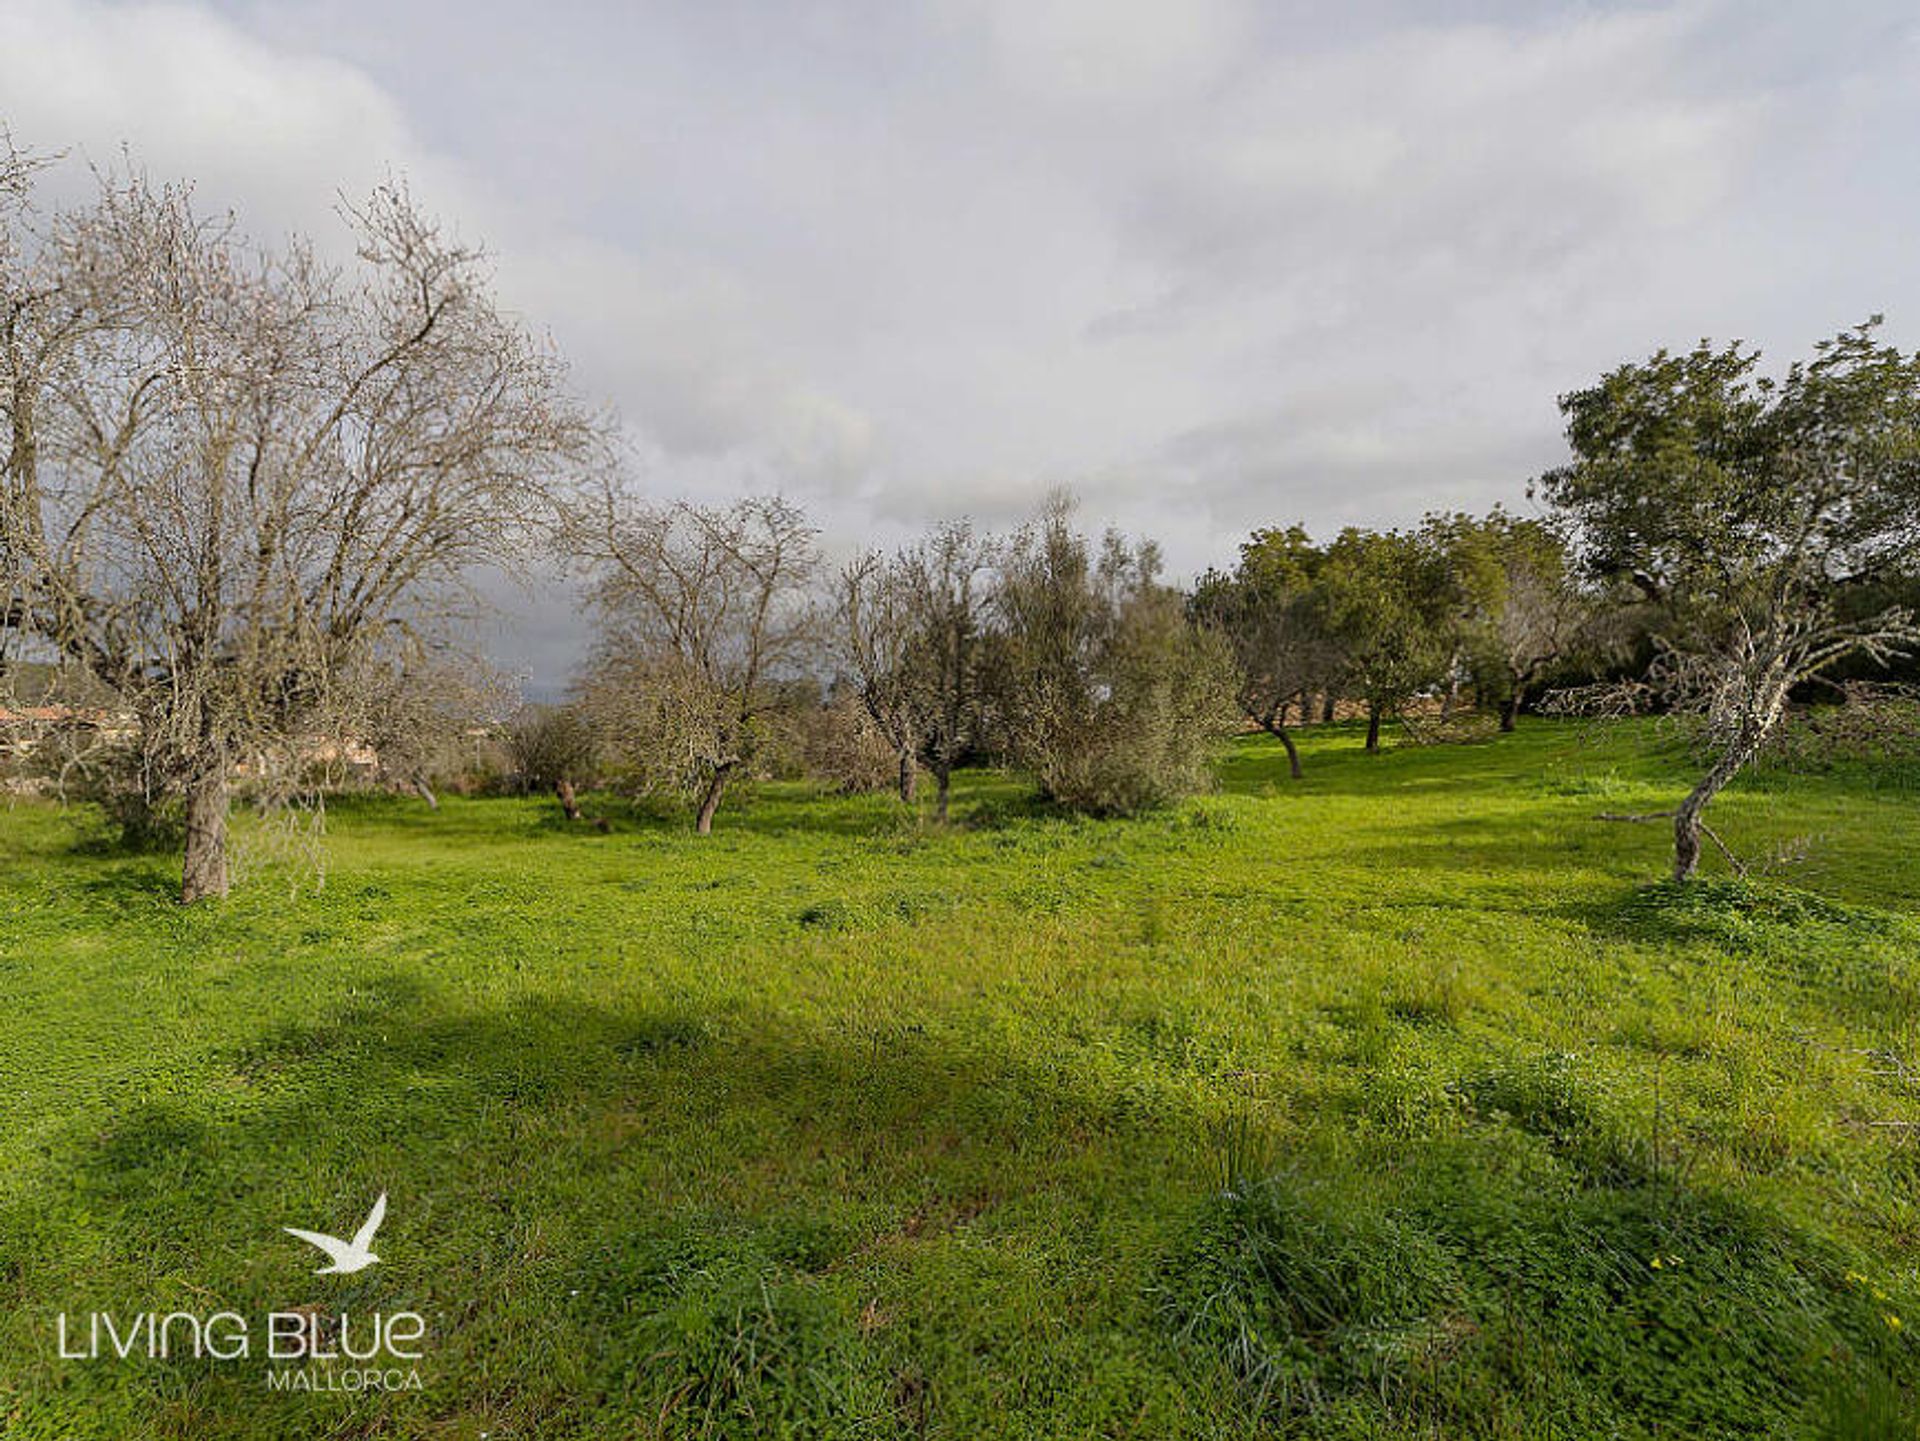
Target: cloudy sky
[1213, 263]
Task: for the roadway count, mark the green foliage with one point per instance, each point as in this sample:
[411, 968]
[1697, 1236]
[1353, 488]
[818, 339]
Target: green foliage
[1495, 1291]
[1388, 600]
[1720, 489]
[1273, 615]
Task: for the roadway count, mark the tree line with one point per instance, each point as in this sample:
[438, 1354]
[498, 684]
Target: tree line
[245, 490]
[720, 633]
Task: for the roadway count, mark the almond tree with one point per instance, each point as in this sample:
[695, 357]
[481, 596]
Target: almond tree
[705, 617]
[878, 639]
[1746, 508]
[911, 628]
[949, 582]
[232, 469]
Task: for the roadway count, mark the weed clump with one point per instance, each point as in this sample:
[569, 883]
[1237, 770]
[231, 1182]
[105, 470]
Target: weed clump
[1854, 954]
[1492, 1272]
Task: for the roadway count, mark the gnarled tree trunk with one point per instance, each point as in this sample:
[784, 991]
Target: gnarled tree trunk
[204, 873]
[1687, 823]
[909, 775]
[1373, 727]
[710, 802]
[943, 773]
[1510, 712]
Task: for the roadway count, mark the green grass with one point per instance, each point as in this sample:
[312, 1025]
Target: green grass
[1397, 1102]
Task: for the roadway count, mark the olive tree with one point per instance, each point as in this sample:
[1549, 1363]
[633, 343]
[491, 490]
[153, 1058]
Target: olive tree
[1520, 609]
[1743, 506]
[1388, 598]
[230, 468]
[1107, 692]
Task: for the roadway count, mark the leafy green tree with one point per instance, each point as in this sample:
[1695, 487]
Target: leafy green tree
[1388, 604]
[1744, 507]
[1272, 614]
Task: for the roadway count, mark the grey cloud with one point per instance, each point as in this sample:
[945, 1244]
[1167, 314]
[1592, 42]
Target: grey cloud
[1215, 263]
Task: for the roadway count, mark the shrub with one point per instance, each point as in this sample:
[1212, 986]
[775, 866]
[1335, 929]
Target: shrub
[1873, 723]
[550, 744]
[838, 745]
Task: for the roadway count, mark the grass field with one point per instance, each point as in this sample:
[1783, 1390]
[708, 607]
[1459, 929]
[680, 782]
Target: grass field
[1396, 1102]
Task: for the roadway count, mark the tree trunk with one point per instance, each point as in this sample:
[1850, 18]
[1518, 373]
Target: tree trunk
[1686, 820]
[205, 871]
[569, 802]
[710, 802]
[1373, 728]
[426, 793]
[1277, 728]
[1510, 712]
[1293, 751]
[909, 776]
[944, 774]
[1330, 708]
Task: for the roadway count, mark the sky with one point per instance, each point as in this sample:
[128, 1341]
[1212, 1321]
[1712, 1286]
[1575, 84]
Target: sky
[1214, 264]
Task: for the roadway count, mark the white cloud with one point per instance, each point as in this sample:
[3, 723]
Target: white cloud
[282, 135]
[1218, 262]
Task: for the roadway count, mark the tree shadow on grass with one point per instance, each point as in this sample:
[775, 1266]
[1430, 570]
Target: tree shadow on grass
[671, 1220]
[588, 1201]
[1856, 959]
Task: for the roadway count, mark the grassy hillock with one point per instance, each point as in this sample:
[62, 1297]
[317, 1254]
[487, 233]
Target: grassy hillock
[1402, 1101]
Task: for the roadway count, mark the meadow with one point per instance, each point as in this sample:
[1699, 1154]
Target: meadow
[1401, 1101]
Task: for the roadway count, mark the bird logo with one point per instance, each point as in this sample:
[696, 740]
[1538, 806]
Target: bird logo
[346, 1256]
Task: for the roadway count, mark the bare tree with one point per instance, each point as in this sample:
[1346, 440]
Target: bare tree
[232, 469]
[912, 627]
[704, 613]
[554, 748]
[414, 705]
[949, 584]
[878, 635]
